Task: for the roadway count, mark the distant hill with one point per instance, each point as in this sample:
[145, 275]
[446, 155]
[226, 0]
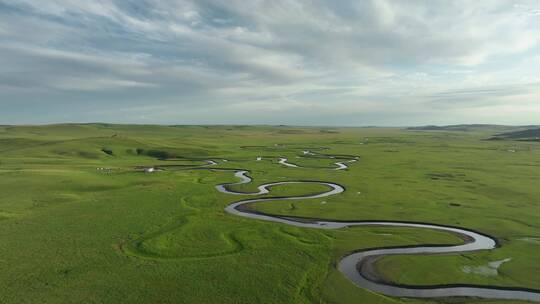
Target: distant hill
[522, 135]
[467, 128]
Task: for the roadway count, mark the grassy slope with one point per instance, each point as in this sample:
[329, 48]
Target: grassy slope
[72, 233]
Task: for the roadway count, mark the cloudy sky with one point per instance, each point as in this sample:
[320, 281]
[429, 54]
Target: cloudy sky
[318, 62]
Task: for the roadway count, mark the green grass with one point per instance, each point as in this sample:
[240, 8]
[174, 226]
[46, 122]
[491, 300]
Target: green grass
[71, 233]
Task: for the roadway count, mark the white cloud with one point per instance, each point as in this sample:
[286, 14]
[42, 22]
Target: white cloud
[317, 57]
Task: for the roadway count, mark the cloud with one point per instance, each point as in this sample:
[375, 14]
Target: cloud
[218, 62]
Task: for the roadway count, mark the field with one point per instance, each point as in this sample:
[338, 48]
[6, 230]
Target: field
[80, 222]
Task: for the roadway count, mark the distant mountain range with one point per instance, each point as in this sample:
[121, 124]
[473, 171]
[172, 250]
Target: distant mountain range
[469, 127]
[472, 127]
[501, 132]
[522, 135]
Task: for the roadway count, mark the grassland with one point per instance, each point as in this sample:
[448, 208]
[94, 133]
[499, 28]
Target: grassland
[79, 224]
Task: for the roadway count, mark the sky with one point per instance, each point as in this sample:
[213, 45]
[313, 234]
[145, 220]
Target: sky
[317, 62]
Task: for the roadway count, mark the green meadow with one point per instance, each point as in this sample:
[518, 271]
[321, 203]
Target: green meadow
[80, 222]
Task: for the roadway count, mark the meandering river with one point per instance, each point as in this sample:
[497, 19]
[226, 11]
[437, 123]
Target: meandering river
[355, 266]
